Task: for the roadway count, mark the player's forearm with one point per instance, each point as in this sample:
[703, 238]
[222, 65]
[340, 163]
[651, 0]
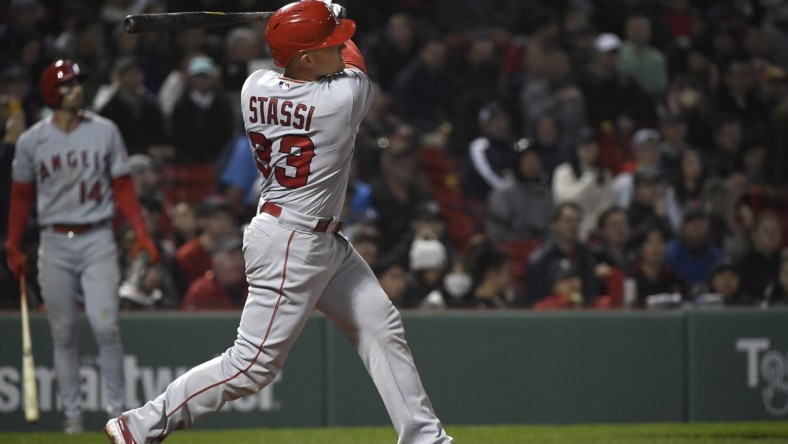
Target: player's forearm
[353, 56]
[127, 202]
[22, 196]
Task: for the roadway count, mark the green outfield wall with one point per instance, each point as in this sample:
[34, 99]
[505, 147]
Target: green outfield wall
[479, 368]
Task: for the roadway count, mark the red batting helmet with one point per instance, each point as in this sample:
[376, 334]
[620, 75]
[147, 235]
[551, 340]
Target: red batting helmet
[55, 74]
[304, 25]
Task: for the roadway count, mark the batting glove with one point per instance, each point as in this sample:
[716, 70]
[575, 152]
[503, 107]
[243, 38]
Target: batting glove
[143, 243]
[17, 262]
[338, 10]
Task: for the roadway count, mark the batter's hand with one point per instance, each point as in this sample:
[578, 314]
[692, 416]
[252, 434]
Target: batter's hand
[143, 243]
[17, 262]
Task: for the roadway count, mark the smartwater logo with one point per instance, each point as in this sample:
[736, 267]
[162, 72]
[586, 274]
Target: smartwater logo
[142, 384]
[768, 370]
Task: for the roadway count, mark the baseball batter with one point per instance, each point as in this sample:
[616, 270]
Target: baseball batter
[74, 165]
[301, 125]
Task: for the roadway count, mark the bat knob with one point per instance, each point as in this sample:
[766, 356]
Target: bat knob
[128, 24]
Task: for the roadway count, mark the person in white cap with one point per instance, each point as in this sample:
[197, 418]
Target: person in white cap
[613, 99]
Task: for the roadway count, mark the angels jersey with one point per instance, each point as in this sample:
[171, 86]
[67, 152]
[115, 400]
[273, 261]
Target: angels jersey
[302, 136]
[72, 171]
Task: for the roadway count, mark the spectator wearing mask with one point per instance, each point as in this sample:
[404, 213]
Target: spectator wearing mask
[428, 265]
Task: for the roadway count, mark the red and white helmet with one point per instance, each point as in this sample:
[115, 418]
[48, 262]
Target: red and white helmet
[299, 26]
[55, 74]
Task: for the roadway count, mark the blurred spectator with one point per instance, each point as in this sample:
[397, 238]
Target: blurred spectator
[428, 265]
[397, 193]
[557, 96]
[643, 62]
[426, 222]
[647, 206]
[686, 187]
[242, 48]
[421, 93]
[12, 124]
[216, 222]
[224, 286]
[490, 271]
[646, 151]
[490, 155]
[393, 50]
[651, 274]
[691, 254]
[566, 287]
[519, 209]
[134, 109]
[583, 181]
[673, 128]
[727, 230]
[379, 129]
[546, 142]
[366, 242]
[724, 284]
[776, 294]
[753, 164]
[239, 179]
[612, 247]
[22, 20]
[614, 100]
[737, 98]
[723, 157]
[391, 275]
[146, 286]
[759, 263]
[202, 120]
[90, 51]
[184, 223]
[563, 244]
[478, 71]
[358, 199]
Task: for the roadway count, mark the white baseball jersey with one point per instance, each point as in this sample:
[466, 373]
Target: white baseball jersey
[72, 171]
[302, 136]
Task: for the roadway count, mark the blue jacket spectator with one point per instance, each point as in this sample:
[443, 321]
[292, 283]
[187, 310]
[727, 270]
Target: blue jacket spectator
[691, 255]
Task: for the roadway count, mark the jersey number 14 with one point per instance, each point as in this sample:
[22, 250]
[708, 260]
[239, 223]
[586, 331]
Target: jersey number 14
[89, 192]
[299, 151]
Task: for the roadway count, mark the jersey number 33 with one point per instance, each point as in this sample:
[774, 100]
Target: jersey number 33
[298, 150]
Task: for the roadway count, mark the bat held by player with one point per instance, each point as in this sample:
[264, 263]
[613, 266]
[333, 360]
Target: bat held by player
[176, 21]
[29, 390]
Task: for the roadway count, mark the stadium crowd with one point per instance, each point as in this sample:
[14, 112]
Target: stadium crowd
[545, 155]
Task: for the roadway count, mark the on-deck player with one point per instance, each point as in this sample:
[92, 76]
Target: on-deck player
[302, 126]
[74, 164]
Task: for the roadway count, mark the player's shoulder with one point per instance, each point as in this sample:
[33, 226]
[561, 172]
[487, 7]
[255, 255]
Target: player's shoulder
[91, 118]
[35, 132]
[258, 78]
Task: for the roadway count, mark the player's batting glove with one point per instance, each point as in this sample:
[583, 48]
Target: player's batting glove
[143, 243]
[338, 10]
[17, 262]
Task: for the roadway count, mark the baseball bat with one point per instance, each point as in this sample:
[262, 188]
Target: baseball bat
[30, 393]
[176, 21]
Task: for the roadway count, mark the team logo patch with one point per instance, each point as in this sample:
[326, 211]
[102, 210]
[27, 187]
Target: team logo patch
[283, 85]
